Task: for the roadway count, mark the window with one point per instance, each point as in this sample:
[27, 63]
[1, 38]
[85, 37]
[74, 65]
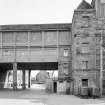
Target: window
[85, 35]
[103, 84]
[21, 37]
[84, 64]
[7, 37]
[35, 37]
[64, 36]
[50, 36]
[36, 52]
[66, 52]
[22, 52]
[85, 17]
[7, 52]
[97, 34]
[85, 43]
[85, 82]
[75, 35]
[84, 50]
[50, 52]
[101, 13]
[78, 52]
[65, 65]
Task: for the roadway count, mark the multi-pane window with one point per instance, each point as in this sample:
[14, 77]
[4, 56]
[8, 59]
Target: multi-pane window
[85, 50]
[7, 37]
[64, 36]
[7, 52]
[66, 52]
[84, 64]
[35, 37]
[21, 37]
[102, 10]
[78, 51]
[21, 52]
[50, 51]
[50, 36]
[85, 82]
[82, 50]
[85, 35]
[103, 1]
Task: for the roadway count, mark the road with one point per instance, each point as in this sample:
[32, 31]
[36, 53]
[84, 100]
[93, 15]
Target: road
[37, 96]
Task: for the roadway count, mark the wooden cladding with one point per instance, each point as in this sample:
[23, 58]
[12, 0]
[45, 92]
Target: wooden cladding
[50, 36]
[34, 52]
[21, 37]
[64, 37]
[7, 37]
[36, 38]
[7, 52]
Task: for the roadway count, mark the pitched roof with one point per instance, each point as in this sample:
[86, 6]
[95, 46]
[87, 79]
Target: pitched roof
[93, 3]
[36, 27]
[84, 5]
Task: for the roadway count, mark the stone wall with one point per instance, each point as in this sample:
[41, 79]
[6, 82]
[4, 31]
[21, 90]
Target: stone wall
[65, 63]
[86, 45]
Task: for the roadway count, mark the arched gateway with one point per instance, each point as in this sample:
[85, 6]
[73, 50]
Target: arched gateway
[35, 47]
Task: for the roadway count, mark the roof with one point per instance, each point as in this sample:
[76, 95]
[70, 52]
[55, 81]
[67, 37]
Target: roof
[84, 5]
[93, 3]
[36, 27]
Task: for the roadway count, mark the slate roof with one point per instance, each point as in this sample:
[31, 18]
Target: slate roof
[84, 5]
[36, 27]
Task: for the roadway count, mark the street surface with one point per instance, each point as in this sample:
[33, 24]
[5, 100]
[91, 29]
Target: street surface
[37, 96]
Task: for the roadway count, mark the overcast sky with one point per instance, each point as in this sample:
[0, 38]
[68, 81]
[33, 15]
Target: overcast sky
[37, 11]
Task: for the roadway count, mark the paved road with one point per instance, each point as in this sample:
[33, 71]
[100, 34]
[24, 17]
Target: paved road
[39, 97]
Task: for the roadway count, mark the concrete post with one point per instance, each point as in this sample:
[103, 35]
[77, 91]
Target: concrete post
[23, 80]
[29, 78]
[15, 76]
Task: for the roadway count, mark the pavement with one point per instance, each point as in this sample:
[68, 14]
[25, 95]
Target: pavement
[36, 96]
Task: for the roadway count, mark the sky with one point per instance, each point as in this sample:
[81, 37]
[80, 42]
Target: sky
[37, 11]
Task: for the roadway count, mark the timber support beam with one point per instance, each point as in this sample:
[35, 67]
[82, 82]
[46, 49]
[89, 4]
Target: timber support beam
[14, 76]
[23, 80]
